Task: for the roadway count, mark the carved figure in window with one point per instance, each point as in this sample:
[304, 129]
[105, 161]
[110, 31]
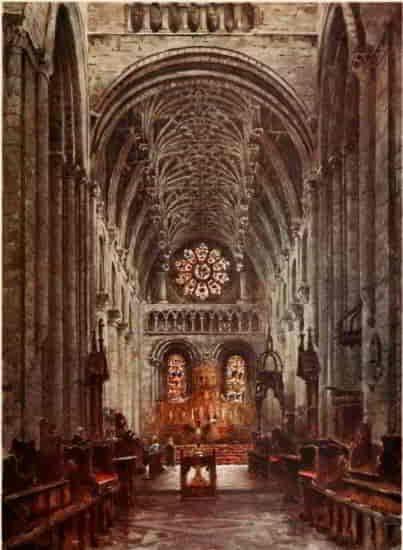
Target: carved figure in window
[176, 377]
[235, 379]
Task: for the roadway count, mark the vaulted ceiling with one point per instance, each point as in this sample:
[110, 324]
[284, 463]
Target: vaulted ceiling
[202, 144]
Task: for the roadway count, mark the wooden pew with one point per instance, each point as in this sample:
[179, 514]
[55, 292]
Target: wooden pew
[43, 515]
[358, 506]
[107, 483]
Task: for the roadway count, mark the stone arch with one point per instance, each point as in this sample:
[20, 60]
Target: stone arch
[224, 350]
[78, 55]
[163, 349]
[129, 86]
[198, 65]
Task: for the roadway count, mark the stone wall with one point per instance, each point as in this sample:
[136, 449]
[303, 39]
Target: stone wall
[285, 42]
[46, 302]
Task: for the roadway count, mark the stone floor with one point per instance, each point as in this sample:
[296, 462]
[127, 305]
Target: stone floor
[229, 478]
[247, 519]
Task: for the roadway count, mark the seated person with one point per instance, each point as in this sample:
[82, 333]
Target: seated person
[154, 458]
[154, 448]
[79, 437]
[170, 452]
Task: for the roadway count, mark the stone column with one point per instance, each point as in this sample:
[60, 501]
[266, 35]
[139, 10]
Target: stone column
[32, 369]
[323, 304]
[221, 19]
[351, 172]
[162, 285]
[352, 240]
[71, 401]
[362, 66]
[122, 366]
[183, 14]
[113, 358]
[54, 384]
[128, 339]
[335, 163]
[203, 18]
[147, 18]
[42, 213]
[86, 288]
[310, 205]
[164, 18]
[242, 286]
[13, 398]
[238, 18]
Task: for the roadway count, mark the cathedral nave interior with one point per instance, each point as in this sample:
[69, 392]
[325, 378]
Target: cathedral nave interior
[201, 275]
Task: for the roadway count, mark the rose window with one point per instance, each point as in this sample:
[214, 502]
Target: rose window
[202, 272]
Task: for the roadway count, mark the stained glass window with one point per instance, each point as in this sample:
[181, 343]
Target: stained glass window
[235, 378]
[202, 272]
[176, 378]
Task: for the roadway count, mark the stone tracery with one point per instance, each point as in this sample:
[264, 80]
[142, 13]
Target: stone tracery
[202, 272]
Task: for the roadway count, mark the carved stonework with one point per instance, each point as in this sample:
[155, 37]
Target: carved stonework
[288, 320]
[136, 16]
[303, 293]
[102, 300]
[113, 233]
[298, 311]
[14, 35]
[194, 17]
[212, 18]
[155, 17]
[114, 316]
[362, 62]
[296, 225]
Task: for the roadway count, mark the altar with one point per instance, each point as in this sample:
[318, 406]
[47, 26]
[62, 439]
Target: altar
[208, 410]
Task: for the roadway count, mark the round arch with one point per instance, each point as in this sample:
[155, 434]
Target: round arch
[163, 349]
[164, 70]
[224, 350]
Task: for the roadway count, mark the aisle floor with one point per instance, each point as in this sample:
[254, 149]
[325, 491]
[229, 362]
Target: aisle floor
[229, 478]
[247, 519]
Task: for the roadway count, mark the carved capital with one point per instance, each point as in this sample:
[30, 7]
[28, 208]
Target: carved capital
[113, 233]
[285, 254]
[122, 325]
[296, 225]
[129, 334]
[350, 148]
[362, 62]
[102, 299]
[334, 160]
[95, 190]
[298, 310]
[114, 316]
[14, 35]
[45, 67]
[100, 207]
[278, 275]
[303, 293]
[288, 320]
